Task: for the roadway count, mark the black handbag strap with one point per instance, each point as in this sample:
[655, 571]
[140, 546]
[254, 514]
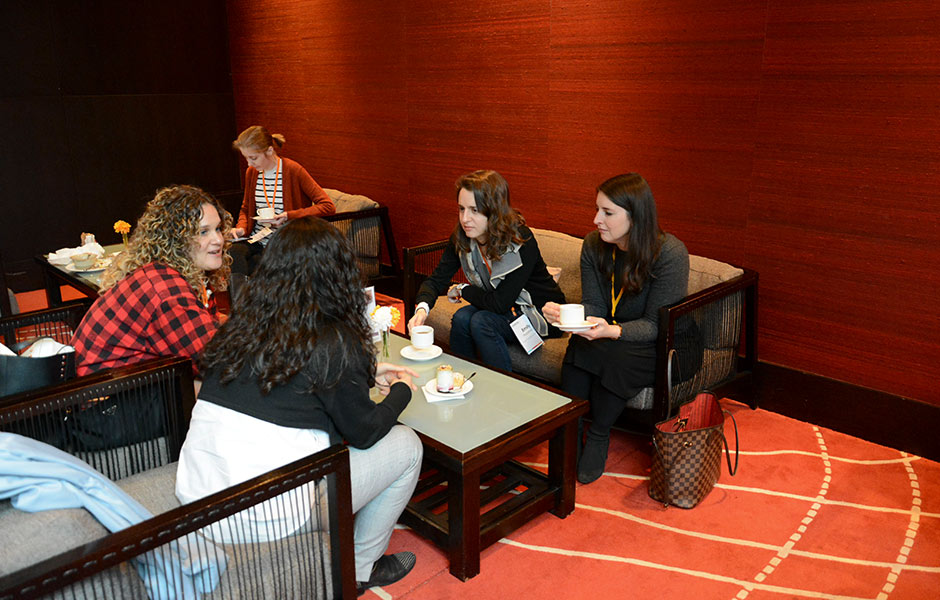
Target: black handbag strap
[669, 383]
[725, 440]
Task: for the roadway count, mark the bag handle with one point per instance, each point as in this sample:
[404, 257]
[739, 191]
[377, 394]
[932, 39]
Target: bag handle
[727, 451]
[669, 383]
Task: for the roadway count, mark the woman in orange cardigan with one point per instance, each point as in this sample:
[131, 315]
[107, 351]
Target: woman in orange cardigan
[271, 182]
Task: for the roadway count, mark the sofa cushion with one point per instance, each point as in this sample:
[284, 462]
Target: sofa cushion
[31, 537]
[350, 202]
[73, 527]
[562, 251]
[706, 272]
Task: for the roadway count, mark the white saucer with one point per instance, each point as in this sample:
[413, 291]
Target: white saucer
[264, 221]
[431, 388]
[412, 353]
[583, 326]
[95, 269]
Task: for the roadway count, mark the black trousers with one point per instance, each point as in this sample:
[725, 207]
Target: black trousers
[245, 257]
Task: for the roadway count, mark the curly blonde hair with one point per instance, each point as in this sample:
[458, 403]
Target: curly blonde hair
[166, 234]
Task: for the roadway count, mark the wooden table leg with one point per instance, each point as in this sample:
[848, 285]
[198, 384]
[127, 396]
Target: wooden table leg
[561, 467]
[463, 510]
[53, 291]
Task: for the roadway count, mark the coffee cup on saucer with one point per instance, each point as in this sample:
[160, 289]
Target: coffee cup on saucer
[571, 314]
[422, 337]
[266, 213]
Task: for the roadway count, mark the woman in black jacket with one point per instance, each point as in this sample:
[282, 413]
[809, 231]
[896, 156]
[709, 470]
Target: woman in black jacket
[502, 262]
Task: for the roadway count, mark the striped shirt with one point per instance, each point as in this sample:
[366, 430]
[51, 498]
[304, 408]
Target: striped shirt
[275, 194]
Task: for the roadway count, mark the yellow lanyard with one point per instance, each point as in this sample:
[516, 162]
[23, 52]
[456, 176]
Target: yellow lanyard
[614, 301]
[264, 186]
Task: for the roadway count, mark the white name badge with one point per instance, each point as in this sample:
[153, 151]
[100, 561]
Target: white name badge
[526, 334]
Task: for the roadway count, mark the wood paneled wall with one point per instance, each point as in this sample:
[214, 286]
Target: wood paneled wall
[801, 139]
[101, 104]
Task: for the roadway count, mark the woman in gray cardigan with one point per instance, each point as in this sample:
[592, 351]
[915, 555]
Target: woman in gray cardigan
[630, 269]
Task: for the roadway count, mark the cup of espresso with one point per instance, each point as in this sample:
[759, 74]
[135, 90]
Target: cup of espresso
[422, 336]
[266, 213]
[572, 314]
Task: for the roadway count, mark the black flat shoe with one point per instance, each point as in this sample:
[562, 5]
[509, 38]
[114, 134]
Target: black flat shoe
[593, 459]
[387, 570]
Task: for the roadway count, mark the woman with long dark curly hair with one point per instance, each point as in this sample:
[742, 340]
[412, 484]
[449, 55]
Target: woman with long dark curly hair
[630, 269]
[289, 374]
[157, 295]
[500, 258]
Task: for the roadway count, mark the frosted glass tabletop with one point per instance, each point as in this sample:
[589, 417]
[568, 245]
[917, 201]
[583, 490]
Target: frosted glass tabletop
[497, 404]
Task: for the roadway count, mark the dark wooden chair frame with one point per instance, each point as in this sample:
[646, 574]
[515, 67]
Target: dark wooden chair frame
[85, 561]
[394, 268]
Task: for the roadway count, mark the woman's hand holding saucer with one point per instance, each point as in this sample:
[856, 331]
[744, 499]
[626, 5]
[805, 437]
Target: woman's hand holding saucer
[278, 220]
[387, 374]
[602, 330]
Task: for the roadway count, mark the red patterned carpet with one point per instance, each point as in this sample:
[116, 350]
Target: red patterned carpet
[811, 513]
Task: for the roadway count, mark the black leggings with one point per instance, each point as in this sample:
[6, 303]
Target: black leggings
[605, 405]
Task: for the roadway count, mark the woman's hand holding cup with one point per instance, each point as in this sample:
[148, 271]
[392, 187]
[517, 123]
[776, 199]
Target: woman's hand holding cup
[417, 319]
[552, 312]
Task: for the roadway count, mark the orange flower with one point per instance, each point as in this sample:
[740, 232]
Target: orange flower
[122, 227]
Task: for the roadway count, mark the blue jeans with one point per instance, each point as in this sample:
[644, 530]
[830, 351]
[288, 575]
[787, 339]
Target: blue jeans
[482, 334]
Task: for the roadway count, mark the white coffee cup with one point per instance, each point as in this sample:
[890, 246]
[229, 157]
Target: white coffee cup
[266, 213]
[422, 336]
[572, 314]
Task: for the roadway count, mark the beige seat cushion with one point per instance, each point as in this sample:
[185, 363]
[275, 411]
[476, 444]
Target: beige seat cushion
[350, 202]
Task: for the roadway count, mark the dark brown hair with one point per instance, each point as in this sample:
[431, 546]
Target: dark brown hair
[644, 239]
[503, 222]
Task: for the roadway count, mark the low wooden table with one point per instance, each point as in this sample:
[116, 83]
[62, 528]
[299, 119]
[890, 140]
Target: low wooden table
[470, 443]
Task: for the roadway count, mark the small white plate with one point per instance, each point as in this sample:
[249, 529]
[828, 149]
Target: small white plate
[264, 221]
[412, 353]
[95, 269]
[583, 326]
[431, 388]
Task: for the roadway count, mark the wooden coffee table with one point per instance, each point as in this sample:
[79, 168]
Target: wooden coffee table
[468, 449]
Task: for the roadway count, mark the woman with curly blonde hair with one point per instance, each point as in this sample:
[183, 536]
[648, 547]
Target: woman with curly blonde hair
[156, 297]
[501, 259]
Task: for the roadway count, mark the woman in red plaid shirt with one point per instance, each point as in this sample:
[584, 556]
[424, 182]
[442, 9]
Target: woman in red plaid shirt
[156, 297]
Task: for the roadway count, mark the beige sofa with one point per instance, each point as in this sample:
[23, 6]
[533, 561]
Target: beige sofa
[717, 294]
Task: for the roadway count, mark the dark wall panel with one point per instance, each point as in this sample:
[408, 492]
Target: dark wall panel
[801, 139]
[102, 104]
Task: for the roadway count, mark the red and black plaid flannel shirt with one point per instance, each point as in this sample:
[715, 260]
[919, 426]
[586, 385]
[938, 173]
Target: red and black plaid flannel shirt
[151, 312]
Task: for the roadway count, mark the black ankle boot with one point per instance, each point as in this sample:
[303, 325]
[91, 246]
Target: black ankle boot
[387, 570]
[593, 457]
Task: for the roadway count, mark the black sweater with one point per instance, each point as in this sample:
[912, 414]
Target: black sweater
[344, 412]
